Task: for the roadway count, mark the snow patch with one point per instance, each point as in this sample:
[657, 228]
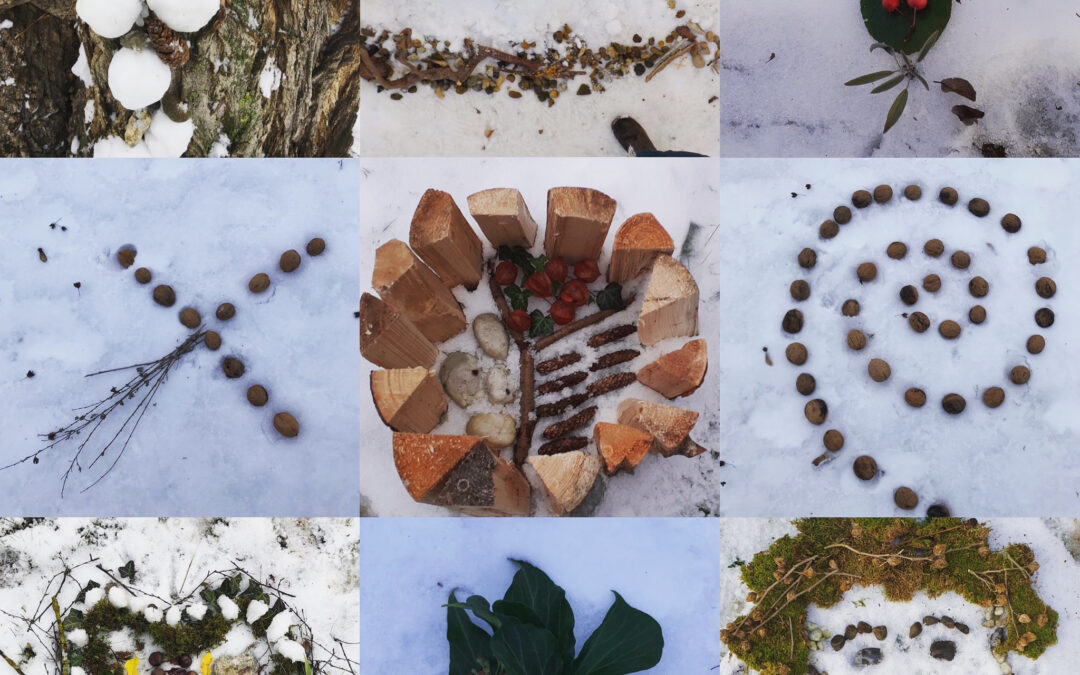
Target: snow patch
[280, 625]
[256, 610]
[229, 609]
[172, 616]
[167, 138]
[291, 650]
[78, 637]
[270, 78]
[196, 611]
[81, 69]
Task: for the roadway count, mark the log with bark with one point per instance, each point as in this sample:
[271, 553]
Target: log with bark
[669, 425]
[408, 399]
[48, 111]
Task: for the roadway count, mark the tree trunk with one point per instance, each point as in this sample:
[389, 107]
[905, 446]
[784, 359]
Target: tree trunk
[315, 45]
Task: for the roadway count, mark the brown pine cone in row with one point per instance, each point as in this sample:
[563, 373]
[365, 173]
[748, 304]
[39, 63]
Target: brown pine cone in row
[568, 444]
[560, 383]
[612, 335]
[171, 47]
[559, 407]
[606, 385]
[614, 358]
[557, 363]
[570, 424]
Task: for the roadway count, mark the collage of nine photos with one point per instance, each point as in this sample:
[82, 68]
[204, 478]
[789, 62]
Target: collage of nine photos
[719, 337]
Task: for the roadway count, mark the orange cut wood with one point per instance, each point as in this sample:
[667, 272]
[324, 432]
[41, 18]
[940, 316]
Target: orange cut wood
[578, 220]
[444, 240]
[669, 426]
[670, 308]
[503, 217]
[389, 340]
[567, 478]
[405, 283]
[638, 242]
[677, 373]
[622, 447]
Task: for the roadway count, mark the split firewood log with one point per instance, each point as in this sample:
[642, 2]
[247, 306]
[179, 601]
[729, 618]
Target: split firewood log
[578, 220]
[389, 340]
[503, 217]
[638, 242]
[670, 308]
[405, 283]
[408, 399]
[461, 473]
[670, 426]
[677, 373]
[444, 240]
[622, 447]
[567, 478]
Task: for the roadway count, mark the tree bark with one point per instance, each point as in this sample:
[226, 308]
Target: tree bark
[315, 45]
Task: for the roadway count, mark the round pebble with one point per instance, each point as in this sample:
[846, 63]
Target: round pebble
[882, 194]
[861, 199]
[796, 353]
[978, 287]
[1036, 255]
[977, 314]
[993, 397]
[960, 260]
[834, 440]
[879, 370]
[800, 290]
[913, 192]
[866, 272]
[850, 307]
[919, 322]
[897, 250]
[793, 321]
[1045, 287]
[816, 411]
[856, 339]
[953, 404]
[949, 329]
[915, 397]
[1010, 223]
[805, 384]
[807, 258]
[931, 283]
[948, 196]
[143, 275]
[1035, 344]
[1020, 375]
[979, 207]
[1044, 317]
[865, 467]
[842, 215]
[909, 295]
[828, 229]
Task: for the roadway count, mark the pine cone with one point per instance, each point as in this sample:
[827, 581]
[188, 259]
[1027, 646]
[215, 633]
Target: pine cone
[170, 46]
[614, 358]
[570, 424]
[560, 383]
[557, 363]
[568, 444]
[608, 384]
[558, 407]
[611, 335]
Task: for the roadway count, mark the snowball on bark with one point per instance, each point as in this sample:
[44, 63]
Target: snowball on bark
[78, 637]
[166, 138]
[229, 609]
[118, 597]
[138, 78]
[109, 18]
[172, 617]
[279, 626]
[186, 16]
[256, 610]
[291, 650]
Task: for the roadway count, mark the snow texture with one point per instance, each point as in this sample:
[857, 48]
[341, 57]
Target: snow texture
[255, 611]
[678, 193]
[270, 78]
[314, 560]
[172, 616]
[679, 108]
[785, 64]
[196, 611]
[1012, 461]
[279, 626]
[81, 69]
[205, 228]
[666, 568]
[167, 138]
[138, 78]
[1055, 543]
[186, 16]
[290, 649]
[109, 18]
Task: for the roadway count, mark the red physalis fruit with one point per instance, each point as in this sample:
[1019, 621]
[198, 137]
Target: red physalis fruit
[587, 270]
[519, 320]
[506, 273]
[917, 4]
[575, 292]
[562, 312]
[890, 5]
[556, 269]
[540, 285]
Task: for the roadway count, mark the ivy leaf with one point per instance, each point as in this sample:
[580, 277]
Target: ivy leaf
[523, 649]
[896, 111]
[517, 296]
[889, 84]
[520, 257]
[959, 86]
[468, 642]
[627, 641]
[81, 597]
[967, 114]
[868, 78]
[539, 262]
[127, 571]
[542, 324]
[610, 297]
[536, 591]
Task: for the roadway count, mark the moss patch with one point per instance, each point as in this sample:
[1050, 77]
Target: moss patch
[829, 556]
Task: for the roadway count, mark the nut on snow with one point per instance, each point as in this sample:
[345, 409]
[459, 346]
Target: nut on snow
[189, 316]
[109, 18]
[257, 396]
[232, 367]
[138, 78]
[212, 340]
[286, 425]
[186, 16]
[491, 335]
[316, 246]
[497, 429]
[126, 257]
[164, 295]
[290, 260]
[462, 378]
[259, 283]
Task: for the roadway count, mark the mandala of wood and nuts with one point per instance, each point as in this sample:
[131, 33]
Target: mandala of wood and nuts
[948, 328]
[536, 300]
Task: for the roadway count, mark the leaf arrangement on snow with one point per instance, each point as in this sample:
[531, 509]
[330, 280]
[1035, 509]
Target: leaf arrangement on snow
[817, 410]
[830, 556]
[531, 632]
[542, 298]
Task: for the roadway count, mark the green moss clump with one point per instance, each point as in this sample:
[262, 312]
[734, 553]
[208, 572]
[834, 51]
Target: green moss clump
[831, 555]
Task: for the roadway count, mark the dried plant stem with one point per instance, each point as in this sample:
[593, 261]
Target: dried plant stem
[668, 59]
[525, 423]
[65, 667]
[14, 666]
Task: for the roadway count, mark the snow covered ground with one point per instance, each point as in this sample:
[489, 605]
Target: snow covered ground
[205, 228]
[665, 567]
[679, 108]
[678, 193]
[1058, 584]
[1021, 58]
[1016, 460]
[313, 560]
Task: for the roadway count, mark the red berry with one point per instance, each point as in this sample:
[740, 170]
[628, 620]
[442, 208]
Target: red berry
[540, 285]
[890, 5]
[519, 320]
[917, 4]
[506, 273]
[556, 269]
[562, 311]
[575, 292]
[587, 270]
